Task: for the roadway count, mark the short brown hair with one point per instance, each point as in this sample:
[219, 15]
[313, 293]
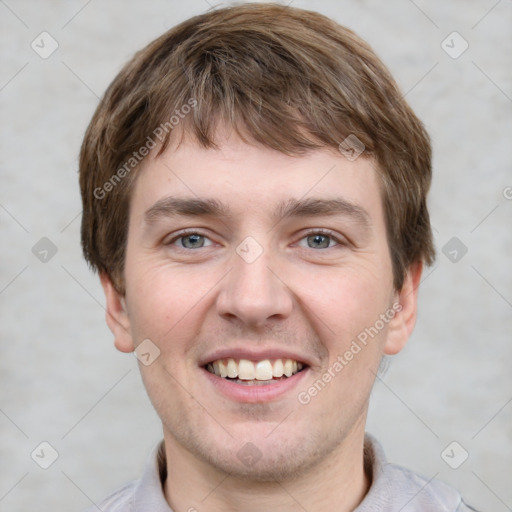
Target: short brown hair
[290, 79]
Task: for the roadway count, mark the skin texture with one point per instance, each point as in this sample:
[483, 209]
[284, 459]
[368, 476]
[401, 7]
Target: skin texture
[310, 301]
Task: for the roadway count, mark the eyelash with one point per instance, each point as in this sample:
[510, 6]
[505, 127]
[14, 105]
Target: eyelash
[324, 232]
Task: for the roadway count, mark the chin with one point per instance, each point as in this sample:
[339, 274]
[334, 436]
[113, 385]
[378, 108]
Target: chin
[267, 467]
[260, 459]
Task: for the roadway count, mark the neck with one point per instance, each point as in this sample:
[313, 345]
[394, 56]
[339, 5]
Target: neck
[195, 485]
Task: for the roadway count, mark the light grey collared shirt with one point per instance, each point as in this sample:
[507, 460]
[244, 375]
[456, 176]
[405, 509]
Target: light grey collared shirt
[393, 488]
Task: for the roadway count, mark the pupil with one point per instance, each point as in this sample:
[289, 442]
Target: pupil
[192, 241]
[321, 241]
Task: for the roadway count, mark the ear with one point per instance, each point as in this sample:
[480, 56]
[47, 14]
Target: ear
[117, 315]
[405, 306]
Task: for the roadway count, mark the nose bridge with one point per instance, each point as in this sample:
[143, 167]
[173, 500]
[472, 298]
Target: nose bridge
[253, 293]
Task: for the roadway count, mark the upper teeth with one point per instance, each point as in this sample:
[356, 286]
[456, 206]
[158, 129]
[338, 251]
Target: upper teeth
[249, 370]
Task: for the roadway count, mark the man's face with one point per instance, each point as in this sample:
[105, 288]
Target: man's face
[238, 260]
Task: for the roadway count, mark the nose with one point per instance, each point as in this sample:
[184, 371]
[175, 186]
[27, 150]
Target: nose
[253, 293]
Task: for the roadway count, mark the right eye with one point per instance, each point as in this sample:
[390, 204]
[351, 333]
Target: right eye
[190, 240]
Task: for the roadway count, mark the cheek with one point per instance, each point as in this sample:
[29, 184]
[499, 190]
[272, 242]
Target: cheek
[345, 300]
[346, 311]
[164, 304]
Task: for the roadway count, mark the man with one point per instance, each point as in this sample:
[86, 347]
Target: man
[254, 190]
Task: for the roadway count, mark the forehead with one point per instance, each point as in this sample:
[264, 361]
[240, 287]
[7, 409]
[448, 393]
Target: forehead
[252, 180]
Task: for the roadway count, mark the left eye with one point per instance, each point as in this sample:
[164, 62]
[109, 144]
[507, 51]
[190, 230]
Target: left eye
[192, 241]
[318, 241]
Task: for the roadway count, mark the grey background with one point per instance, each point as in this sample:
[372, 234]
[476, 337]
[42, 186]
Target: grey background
[63, 382]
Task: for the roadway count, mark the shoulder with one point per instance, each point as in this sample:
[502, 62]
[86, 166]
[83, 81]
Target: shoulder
[143, 494]
[395, 488]
[418, 493]
[120, 500]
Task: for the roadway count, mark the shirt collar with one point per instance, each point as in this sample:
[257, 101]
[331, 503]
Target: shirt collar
[149, 491]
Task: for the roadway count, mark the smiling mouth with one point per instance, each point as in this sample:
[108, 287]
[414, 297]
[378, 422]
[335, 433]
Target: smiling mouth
[255, 373]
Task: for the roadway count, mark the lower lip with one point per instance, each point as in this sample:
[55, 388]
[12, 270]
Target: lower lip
[255, 394]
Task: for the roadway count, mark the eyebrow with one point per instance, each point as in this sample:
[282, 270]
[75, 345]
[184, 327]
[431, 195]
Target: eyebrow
[311, 207]
[192, 207]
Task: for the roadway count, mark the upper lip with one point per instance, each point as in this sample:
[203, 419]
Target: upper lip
[258, 354]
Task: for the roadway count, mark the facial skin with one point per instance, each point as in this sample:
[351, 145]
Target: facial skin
[306, 298]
